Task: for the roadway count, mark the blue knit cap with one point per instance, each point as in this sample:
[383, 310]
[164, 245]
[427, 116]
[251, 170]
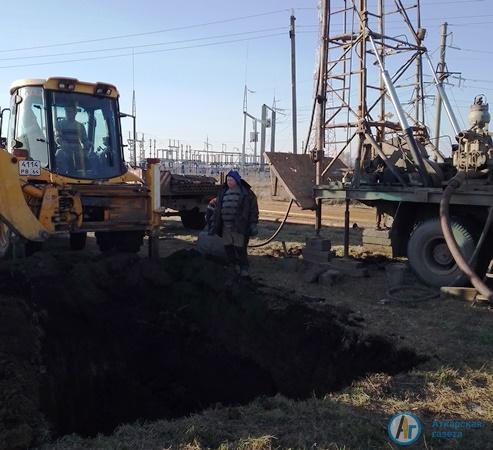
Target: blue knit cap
[236, 176]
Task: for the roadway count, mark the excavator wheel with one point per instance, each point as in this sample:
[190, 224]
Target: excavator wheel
[122, 241]
[78, 241]
[5, 241]
[14, 247]
[129, 241]
[105, 241]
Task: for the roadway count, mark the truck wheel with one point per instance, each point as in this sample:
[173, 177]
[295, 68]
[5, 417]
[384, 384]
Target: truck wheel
[105, 241]
[122, 241]
[129, 241]
[430, 258]
[193, 219]
[5, 241]
[78, 241]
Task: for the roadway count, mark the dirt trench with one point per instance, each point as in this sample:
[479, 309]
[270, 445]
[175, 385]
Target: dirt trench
[88, 343]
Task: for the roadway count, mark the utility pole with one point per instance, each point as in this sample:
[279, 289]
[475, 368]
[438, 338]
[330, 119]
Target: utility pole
[242, 163]
[292, 36]
[441, 77]
[134, 116]
[255, 139]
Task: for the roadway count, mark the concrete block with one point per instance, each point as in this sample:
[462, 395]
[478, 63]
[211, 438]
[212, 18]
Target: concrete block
[318, 244]
[290, 264]
[376, 240]
[347, 263]
[315, 256]
[349, 267]
[373, 232]
[329, 277]
[382, 249]
[312, 272]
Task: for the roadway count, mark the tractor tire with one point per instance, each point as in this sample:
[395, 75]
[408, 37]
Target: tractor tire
[193, 219]
[13, 247]
[78, 241]
[121, 241]
[5, 241]
[429, 257]
[106, 241]
[129, 241]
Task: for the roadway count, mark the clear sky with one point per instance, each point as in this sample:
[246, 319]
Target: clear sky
[197, 92]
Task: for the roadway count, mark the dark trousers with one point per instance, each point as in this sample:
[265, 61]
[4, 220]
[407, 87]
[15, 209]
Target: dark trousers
[237, 255]
[235, 246]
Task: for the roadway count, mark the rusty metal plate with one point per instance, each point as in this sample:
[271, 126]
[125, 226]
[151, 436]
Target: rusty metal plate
[296, 173]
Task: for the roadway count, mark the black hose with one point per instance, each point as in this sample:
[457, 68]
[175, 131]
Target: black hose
[268, 241]
[484, 233]
[411, 294]
[480, 286]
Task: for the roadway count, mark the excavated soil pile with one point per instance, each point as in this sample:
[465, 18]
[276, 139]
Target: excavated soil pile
[86, 343]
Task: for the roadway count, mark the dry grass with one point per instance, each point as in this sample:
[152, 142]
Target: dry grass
[353, 419]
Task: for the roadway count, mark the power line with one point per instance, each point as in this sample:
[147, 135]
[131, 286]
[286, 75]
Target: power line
[144, 52]
[469, 50]
[142, 45]
[469, 23]
[460, 17]
[165, 30]
[452, 2]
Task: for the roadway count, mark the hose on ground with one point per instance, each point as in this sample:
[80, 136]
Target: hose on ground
[480, 286]
[268, 241]
[411, 294]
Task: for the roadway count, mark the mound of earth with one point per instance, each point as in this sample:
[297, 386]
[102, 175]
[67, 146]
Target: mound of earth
[88, 343]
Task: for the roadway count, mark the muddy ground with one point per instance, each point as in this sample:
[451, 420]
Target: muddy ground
[188, 356]
[90, 342]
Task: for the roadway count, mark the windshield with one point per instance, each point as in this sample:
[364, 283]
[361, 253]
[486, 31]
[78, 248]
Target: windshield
[85, 135]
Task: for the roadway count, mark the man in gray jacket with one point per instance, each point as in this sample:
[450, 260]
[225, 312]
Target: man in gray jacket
[235, 219]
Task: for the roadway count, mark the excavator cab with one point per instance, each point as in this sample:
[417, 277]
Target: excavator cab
[71, 133]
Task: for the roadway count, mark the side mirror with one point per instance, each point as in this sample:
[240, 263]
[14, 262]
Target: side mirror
[16, 143]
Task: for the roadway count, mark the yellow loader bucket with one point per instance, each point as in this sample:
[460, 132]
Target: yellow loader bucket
[14, 210]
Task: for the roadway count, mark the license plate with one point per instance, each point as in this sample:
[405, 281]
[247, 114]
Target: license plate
[29, 168]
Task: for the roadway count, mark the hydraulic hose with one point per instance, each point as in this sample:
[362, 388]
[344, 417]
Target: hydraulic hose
[268, 241]
[482, 238]
[480, 286]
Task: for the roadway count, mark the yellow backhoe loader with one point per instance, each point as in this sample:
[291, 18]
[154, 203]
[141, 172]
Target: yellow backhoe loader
[62, 170]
